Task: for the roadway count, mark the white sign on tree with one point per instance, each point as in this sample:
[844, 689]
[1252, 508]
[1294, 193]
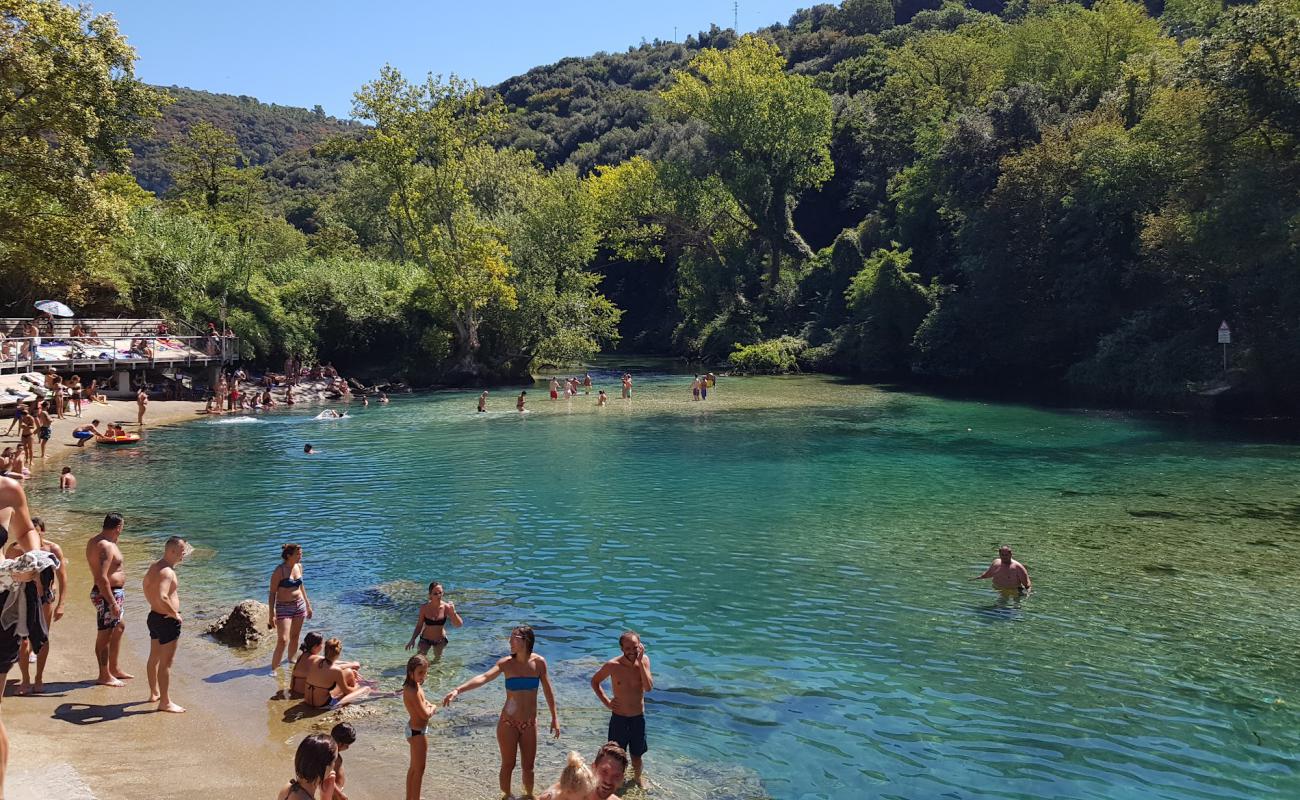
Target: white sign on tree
[1225, 334]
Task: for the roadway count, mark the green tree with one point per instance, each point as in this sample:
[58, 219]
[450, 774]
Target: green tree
[421, 154]
[202, 165]
[864, 16]
[68, 102]
[769, 136]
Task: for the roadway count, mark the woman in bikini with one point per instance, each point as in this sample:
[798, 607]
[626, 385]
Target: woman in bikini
[289, 604]
[331, 683]
[430, 626]
[525, 671]
[417, 728]
[308, 655]
[313, 769]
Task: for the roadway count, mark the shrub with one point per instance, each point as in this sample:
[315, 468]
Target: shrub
[768, 357]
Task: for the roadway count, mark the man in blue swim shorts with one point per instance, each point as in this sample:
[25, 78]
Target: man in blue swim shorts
[629, 677]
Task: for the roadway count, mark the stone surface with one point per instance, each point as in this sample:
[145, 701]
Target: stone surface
[244, 626]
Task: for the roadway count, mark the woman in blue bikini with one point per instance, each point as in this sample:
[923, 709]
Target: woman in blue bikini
[289, 606]
[525, 671]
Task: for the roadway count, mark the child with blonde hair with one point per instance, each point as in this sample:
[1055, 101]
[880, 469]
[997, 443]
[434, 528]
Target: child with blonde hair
[577, 782]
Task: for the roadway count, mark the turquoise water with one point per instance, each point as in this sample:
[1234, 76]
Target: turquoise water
[795, 552]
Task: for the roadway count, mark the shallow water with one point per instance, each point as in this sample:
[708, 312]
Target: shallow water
[795, 552]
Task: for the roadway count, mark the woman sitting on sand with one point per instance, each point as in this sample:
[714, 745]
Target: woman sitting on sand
[290, 606]
[417, 727]
[433, 617]
[525, 671]
[308, 655]
[313, 768]
[332, 683]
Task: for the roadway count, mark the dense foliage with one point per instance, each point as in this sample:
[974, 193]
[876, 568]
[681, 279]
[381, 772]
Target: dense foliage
[1020, 194]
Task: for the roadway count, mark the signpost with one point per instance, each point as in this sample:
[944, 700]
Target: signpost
[1225, 339]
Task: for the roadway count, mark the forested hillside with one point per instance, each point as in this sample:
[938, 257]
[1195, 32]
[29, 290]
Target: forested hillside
[1041, 194]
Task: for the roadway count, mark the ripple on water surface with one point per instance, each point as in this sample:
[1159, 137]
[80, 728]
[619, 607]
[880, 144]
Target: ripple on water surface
[794, 551]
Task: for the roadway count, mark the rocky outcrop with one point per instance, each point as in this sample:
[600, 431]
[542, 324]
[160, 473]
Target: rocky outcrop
[244, 626]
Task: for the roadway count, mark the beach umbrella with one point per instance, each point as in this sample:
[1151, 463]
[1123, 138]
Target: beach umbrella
[55, 307]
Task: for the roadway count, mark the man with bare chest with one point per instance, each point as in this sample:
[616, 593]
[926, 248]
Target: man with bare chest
[629, 676]
[161, 589]
[105, 561]
[1009, 576]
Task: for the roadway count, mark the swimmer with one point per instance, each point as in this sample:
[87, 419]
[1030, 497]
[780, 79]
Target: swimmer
[525, 671]
[629, 678]
[344, 736]
[601, 398]
[365, 401]
[417, 727]
[309, 450]
[108, 595]
[332, 683]
[482, 402]
[433, 617]
[161, 589]
[67, 481]
[313, 769]
[519, 404]
[289, 605]
[1009, 576]
[383, 398]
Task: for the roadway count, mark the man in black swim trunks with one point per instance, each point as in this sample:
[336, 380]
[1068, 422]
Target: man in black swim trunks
[629, 676]
[161, 589]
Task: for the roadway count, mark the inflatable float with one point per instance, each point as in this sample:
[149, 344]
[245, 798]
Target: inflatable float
[130, 438]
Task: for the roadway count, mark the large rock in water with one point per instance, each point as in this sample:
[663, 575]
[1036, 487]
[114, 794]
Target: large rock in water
[244, 626]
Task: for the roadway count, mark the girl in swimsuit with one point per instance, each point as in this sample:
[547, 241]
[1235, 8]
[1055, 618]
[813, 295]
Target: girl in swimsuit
[420, 709]
[331, 683]
[517, 726]
[289, 603]
[313, 768]
[433, 616]
[308, 655]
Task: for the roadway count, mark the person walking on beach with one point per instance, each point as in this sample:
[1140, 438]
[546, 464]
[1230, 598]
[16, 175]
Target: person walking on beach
[108, 595]
[18, 538]
[141, 403]
[629, 677]
[313, 769]
[162, 591]
[1009, 576]
[482, 402]
[417, 727]
[525, 671]
[27, 434]
[51, 600]
[289, 605]
[44, 425]
[433, 617]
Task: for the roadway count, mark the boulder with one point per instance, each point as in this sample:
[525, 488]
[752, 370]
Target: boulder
[244, 626]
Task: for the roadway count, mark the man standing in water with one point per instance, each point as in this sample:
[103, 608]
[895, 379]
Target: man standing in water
[161, 590]
[1009, 575]
[482, 402]
[629, 676]
[105, 560]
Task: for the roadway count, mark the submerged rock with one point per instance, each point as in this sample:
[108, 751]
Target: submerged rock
[244, 626]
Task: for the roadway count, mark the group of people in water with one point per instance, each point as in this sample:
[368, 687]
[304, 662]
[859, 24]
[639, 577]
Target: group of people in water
[321, 679]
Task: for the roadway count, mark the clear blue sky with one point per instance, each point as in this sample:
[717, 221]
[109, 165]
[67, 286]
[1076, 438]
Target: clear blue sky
[299, 53]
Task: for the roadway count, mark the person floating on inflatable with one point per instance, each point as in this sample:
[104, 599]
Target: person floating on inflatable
[86, 432]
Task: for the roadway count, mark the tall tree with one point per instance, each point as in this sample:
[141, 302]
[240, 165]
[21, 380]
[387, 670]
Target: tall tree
[769, 135]
[424, 151]
[68, 102]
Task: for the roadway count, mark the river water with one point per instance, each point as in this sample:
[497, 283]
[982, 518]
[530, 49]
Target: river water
[795, 553]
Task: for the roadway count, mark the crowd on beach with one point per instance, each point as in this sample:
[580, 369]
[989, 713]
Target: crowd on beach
[34, 577]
